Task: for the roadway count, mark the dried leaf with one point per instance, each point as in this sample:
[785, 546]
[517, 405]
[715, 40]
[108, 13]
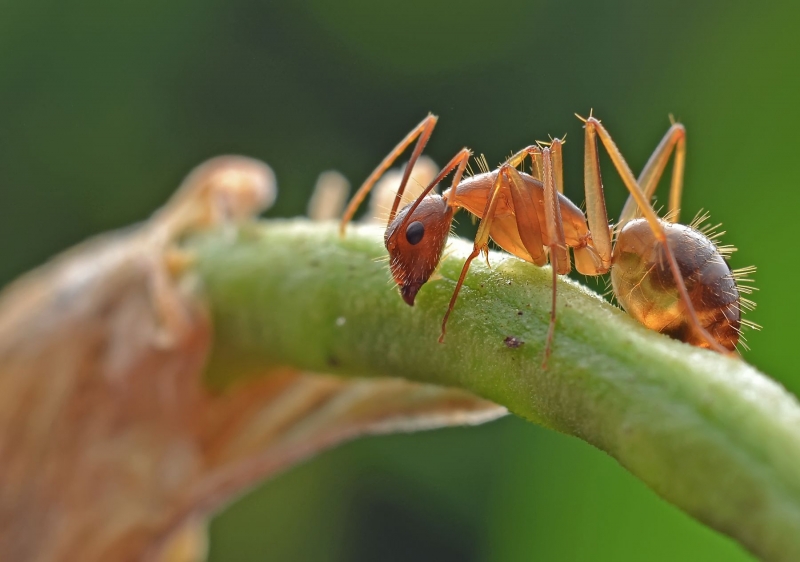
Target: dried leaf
[111, 446]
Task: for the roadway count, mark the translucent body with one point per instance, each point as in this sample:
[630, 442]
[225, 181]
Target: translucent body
[646, 289]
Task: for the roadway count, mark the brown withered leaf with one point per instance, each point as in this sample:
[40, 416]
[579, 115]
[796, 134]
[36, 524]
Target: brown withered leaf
[111, 448]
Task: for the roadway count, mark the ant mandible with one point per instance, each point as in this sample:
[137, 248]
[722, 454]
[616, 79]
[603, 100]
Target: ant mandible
[670, 277]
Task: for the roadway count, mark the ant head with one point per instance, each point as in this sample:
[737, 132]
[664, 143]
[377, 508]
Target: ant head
[416, 243]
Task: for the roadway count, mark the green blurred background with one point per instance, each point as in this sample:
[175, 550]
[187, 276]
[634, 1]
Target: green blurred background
[104, 106]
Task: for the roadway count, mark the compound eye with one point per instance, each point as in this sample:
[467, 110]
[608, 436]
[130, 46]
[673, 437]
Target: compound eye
[415, 232]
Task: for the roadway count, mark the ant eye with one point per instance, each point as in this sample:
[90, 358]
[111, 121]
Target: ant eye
[415, 232]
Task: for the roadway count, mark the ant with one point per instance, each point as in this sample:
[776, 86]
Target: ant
[672, 278]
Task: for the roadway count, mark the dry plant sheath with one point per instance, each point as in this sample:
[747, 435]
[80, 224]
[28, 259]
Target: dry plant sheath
[111, 445]
[706, 431]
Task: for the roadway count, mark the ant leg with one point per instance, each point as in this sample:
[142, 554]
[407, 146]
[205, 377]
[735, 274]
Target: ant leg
[528, 225]
[596, 213]
[481, 241]
[423, 131]
[593, 126]
[527, 219]
[535, 152]
[547, 166]
[558, 164]
[459, 163]
[675, 138]
[559, 258]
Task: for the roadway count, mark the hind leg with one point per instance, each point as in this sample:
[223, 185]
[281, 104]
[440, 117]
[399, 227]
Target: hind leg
[595, 129]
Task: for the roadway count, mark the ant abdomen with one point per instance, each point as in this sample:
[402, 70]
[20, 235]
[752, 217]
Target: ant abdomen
[645, 286]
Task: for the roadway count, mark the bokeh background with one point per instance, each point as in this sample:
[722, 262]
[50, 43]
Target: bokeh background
[104, 106]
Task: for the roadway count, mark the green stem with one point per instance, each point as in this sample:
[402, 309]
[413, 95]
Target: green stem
[708, 433]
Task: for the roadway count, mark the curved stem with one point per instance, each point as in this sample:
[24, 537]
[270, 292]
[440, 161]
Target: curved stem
[708, 433]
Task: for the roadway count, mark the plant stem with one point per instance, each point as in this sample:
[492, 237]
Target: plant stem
[708, 433]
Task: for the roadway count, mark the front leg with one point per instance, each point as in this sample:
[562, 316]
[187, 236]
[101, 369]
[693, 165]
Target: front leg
[481, 238]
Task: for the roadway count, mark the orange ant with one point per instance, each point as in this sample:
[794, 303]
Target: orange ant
[670, 277]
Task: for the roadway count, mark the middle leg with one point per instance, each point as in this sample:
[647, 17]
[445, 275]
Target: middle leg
[481, 243]
[546, 167]
[559, 258]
